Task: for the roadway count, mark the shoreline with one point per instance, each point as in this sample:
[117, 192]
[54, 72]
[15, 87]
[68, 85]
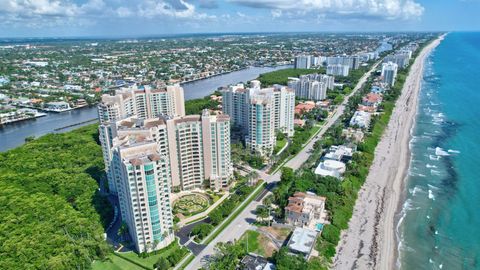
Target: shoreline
[370, 242]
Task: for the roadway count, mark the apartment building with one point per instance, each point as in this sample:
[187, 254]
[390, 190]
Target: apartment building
[137, 101]
[197, 147]
[235, 104]
[261, 112]
[303, 61]
[144, 192]
[142, 102]
[389, 73]
[312, 86]
[216, 150]
[200, 150]
[261, 129]
[338, 70]
[353, 62]
[401, 58]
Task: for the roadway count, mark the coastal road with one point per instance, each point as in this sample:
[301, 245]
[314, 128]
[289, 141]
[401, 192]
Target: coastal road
[244, 220]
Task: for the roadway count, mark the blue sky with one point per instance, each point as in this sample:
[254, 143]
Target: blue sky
[58, 18]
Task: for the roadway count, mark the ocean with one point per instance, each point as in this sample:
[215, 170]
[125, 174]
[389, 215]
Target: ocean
[439, 226]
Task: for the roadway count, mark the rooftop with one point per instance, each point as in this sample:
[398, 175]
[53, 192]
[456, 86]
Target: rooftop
[254, 262]
[302, 240]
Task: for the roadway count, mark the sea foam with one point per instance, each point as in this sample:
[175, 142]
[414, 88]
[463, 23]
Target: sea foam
[440, 152]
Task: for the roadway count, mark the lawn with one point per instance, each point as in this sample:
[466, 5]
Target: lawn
[258, 243]
[124, 261]
[253, 243]
[280, 144]
[315, 129]
[166, 252]
[115, 263]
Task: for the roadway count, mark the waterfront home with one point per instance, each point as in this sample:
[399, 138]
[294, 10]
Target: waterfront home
[339, 153]
[305, 210]
[372, 100]
[81, 103]
[59, 106]
[302, 242]
[360, 119]
[14, 115]
[364, 108]
[331, 168]
[354, 135]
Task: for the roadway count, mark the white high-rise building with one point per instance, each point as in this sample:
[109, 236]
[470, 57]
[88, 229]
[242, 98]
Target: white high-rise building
[318, 90]
[284, 109]
[401, 58]
[237, 100]
[303, 61]
[261, 130]
[235, 104]
[218, 167]
[311, 86]
[276, 104]
[338, 70]
[141, 102]
[143, 174]
[186, 151]
[197, 147]
[353, 62]
[389, 73]
[200, 150]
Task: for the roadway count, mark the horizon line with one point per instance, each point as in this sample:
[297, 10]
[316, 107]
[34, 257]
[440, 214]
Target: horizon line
[187, 34]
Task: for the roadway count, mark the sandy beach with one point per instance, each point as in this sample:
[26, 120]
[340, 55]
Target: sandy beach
[370, 241]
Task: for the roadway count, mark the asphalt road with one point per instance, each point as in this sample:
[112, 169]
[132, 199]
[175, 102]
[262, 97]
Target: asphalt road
[244, 220]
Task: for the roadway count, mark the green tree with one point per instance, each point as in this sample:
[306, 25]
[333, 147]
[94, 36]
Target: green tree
[284, 261]
[162, 264]
[215, 216]
[201, 230]
[262, 211]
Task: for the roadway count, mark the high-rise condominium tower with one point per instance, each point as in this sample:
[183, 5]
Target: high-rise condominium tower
[151, 157]
[143, 186]
[261, 112]
[197, 147]
[141, 102]
[389, 73]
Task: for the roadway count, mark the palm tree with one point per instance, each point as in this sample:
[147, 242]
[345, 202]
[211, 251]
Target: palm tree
[253, 175]
[122, 231]
[155, 244]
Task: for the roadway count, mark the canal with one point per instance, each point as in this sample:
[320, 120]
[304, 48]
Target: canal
[14, 134]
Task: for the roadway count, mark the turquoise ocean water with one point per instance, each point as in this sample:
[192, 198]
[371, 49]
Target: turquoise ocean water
[439, 226]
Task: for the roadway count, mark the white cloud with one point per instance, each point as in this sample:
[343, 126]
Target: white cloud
[276, 13]
[123, 12]
[38, 13]
[179, 9]
[388, 9]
